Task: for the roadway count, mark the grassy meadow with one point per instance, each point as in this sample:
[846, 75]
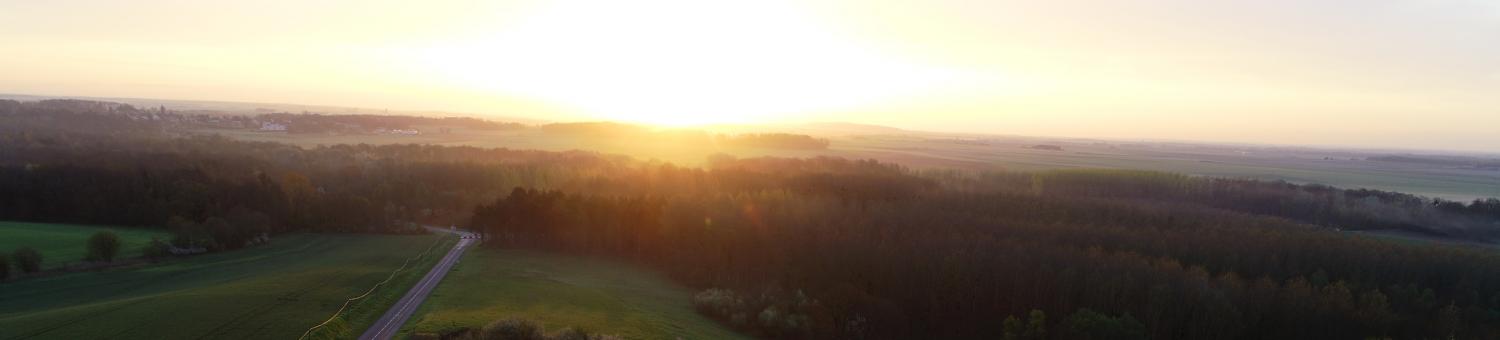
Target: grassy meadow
[563, 291]
[61, 244]
[274, 291]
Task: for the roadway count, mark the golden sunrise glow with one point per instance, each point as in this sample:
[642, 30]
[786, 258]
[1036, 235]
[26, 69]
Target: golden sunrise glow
[1253, 71]
[680, 62]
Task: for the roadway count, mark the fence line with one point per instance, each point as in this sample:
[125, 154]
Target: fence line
[372, 289]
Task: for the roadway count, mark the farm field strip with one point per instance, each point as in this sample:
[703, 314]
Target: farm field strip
[271, 291]
[62, 244]
[563, 291]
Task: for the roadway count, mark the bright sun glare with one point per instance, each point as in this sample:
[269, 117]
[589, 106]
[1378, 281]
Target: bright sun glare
[679, 62]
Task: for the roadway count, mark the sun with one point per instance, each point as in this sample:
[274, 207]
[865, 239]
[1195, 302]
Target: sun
[677, 62]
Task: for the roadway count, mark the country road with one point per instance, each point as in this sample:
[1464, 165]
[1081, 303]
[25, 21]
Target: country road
[390, 323]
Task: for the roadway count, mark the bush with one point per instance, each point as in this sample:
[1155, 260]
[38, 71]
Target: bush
[156, 250]
[1035, 327]
[29, 260]
[4, 268]
[774, 313]
[103, 246]
[513, 329]
[571, 333]
[717, 302]
[1086, 324]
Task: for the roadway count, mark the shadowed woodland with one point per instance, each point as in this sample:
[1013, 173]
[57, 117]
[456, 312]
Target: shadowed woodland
[819, 247]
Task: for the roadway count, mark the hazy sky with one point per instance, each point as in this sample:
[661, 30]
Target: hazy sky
[1382, 73]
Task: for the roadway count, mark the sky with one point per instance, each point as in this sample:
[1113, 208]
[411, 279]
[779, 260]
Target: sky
[1367, 73]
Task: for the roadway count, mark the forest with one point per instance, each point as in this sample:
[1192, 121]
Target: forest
[815, 248]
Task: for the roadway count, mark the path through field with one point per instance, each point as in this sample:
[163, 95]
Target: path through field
[390, 323]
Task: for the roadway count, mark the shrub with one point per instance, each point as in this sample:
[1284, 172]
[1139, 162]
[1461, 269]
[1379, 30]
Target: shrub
[103, 246]
[513, 329]
[29, 260]
[4, 268]
[156, 249]
[571, 333]
[717, 302]
[1086, 324]
[774, 313]
[1035, 327]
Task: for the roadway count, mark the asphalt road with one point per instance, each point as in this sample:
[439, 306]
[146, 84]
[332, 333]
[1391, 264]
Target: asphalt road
[391, 322]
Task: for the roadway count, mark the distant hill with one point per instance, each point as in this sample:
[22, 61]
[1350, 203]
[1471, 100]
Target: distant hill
[816, 129]
[852, 128]
[240, 108]
[1458, 162]
[596, 129]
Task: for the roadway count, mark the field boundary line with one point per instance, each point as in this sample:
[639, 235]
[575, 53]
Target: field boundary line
[373, 288]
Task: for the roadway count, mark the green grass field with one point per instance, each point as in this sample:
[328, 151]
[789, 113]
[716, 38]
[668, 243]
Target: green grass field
[65, 243]
[275, 291]
[563, 291]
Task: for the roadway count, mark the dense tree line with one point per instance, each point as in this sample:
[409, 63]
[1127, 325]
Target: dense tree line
[820, 247]
[102, 167]
[1356, 209]
[317, 123]
[1454, 161]
[612, 130]
[953, 264]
